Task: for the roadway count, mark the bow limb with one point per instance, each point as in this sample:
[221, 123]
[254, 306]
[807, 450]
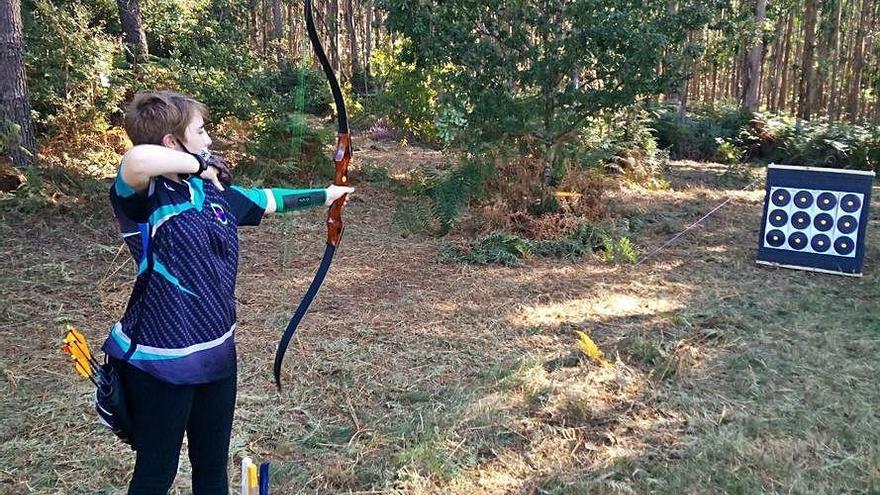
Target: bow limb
[341, 158]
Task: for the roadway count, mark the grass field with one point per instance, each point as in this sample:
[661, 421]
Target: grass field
[410, 376]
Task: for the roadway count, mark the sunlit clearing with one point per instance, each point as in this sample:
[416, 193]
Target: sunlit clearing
[614, 305]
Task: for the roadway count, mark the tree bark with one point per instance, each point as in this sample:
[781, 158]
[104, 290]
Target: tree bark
[15, 107]
[806, 90]
[833, 111]
[265, 27]
[293, 30]
[752, 100]
[356, 74]
[333, 26]
[712, 96]
[786, 53]
[772, 84]
[858, 63]
[278, 41]
[368, 46]
[133, 28]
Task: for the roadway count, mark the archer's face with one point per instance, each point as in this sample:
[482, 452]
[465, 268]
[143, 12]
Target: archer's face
[195, 137]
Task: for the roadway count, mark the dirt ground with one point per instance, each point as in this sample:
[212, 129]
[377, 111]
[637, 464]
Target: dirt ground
[410, 376]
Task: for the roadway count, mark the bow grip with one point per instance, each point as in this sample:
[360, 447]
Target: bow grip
[341, 158]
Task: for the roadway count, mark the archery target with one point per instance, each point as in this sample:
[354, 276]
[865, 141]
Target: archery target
[802, 220]
[815, 218]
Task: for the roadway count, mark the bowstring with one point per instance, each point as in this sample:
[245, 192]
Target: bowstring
[300, 98]
[299, 124]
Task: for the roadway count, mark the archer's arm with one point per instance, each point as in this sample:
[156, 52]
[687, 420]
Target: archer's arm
[249, 205]
[144, 161]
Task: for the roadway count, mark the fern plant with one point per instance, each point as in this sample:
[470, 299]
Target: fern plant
[508, 249]
[450, 192]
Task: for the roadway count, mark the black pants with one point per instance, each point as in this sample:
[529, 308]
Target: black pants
[161, 413]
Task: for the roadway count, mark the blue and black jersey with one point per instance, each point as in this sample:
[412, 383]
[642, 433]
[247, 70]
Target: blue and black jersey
[182, 316]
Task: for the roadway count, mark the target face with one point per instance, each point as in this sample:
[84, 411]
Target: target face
[802, 219]
[815, 218]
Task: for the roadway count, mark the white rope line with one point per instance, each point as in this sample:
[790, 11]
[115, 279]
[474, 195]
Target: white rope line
[698, 222]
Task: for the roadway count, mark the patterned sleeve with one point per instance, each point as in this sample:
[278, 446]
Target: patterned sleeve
[248, 205]
[126, 200]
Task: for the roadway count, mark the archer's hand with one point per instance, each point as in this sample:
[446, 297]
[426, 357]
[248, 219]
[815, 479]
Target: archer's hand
[213, 174]
[334, 192]
[222, 167]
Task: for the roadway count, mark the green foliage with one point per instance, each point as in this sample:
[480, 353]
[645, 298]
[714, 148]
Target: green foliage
[10, 137]
[288, 142]
[509, 84]
[545, 204]
[510, 250]
[620, 249]
[625, 138]
[79, 78]
[495, 249]
[213, 62]
[737, 175]
[820, 144]
[167, 24]
[451, 124]
[728, 152]
[451, 191]
[407, 97]
[72, 65]
[730, 136]
[699, 135]
[283, 136]
[298, 89]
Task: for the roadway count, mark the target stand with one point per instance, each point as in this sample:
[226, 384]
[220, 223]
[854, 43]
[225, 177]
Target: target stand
[815, 218]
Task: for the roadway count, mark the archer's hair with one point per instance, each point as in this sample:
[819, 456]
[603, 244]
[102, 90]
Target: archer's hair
[153, 114]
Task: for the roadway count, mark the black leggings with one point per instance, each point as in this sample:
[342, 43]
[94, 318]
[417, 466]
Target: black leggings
[161, 413]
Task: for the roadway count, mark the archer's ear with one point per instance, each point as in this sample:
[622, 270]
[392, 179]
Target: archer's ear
[169, 141]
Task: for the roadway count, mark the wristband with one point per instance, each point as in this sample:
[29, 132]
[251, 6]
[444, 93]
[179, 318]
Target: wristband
[203, 165]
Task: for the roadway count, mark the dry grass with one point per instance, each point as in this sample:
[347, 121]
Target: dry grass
[414, 377]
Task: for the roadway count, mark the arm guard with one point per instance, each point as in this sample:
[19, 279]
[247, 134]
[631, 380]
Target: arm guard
[297, 199]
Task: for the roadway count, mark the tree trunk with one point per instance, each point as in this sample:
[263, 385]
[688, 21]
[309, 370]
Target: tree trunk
[786, 54]
[333, 26]
[753, 62]
[796, 72]
[356, 74]
[858, 63]
[833, 111]
[265, 27]
[772, 84]
[293, 32]
[133, 27]
[683, 100]
[368, 45]
[714, 93]
[278, 41]
[806, 90]
[254, 28]
[15, 107]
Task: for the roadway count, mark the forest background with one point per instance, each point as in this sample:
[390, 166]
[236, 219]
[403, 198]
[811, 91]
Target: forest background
[574, 83]
[512, 160]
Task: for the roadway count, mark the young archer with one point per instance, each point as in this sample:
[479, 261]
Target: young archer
[179, 216]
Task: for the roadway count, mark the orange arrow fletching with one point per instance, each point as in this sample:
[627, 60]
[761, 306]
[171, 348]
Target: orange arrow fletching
[75, 345]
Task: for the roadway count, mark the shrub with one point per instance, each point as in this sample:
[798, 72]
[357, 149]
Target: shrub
[72, 65]
[501, 248]
[697, 137]
[407, 98]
